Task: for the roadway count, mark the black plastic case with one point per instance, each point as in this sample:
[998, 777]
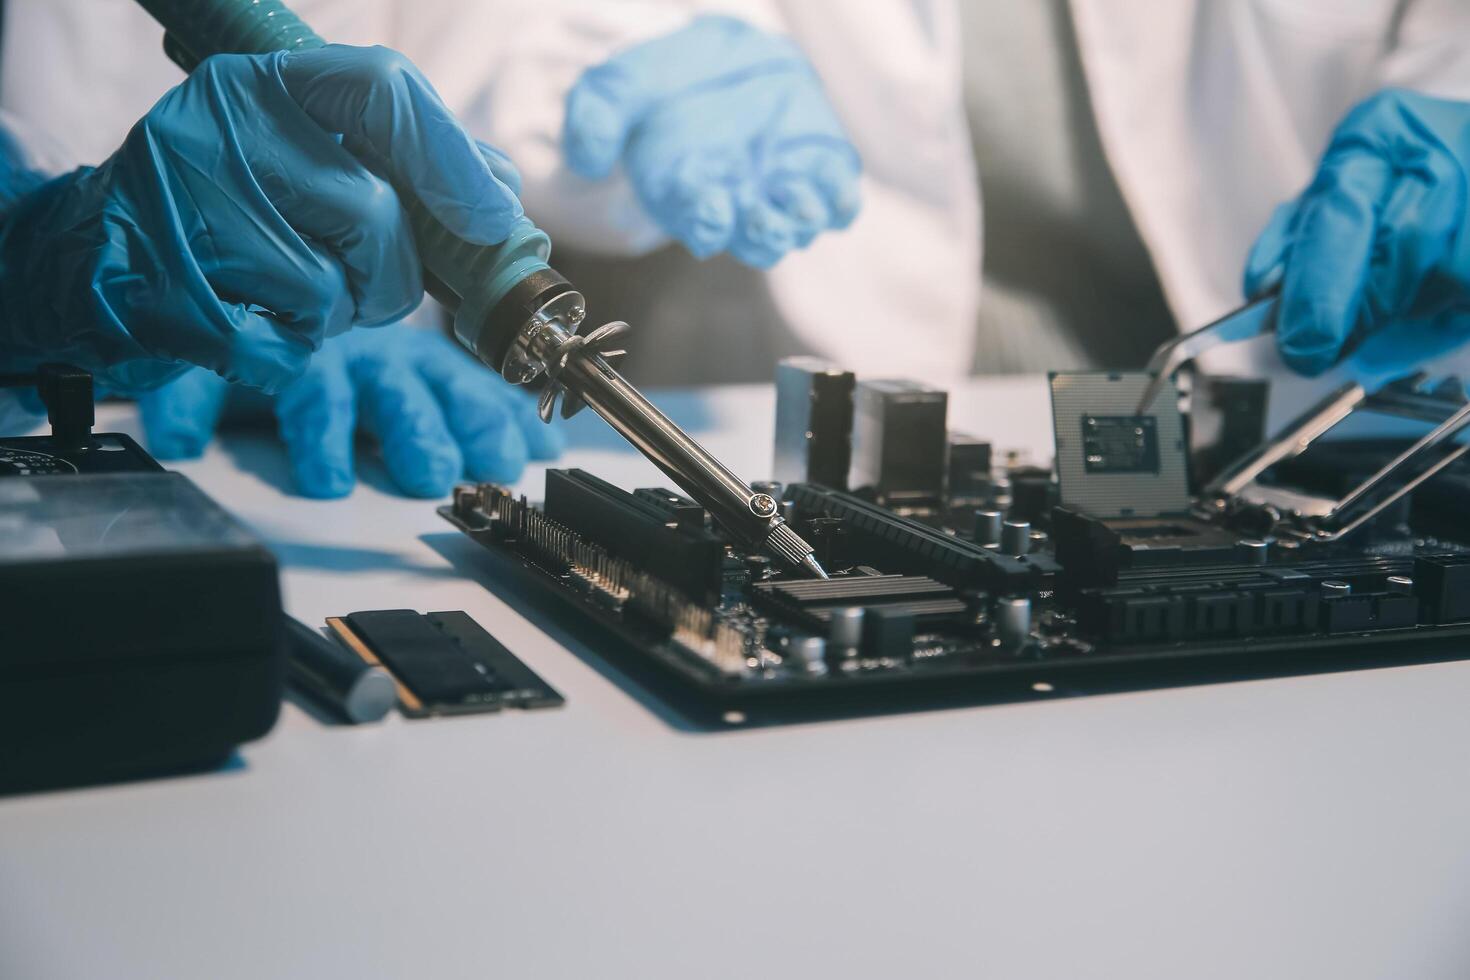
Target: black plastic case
[140, 629]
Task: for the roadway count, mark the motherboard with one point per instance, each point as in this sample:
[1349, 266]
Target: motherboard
[960, 576]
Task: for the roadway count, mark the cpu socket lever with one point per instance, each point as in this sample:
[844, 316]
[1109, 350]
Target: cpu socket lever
[1293, 513]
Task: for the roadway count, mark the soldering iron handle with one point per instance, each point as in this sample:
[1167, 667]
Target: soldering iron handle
[490, 287]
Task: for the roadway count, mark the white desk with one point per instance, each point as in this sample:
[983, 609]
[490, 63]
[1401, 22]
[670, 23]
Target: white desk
[1297, 828]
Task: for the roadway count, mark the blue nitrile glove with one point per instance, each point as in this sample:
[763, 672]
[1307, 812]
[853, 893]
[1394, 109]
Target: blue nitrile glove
[20, 408]
[438, 416]
[726, 135]
[1379, 237]
[245, 218]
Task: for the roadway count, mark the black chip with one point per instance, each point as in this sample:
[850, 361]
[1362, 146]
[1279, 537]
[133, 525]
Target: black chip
[1120, 444]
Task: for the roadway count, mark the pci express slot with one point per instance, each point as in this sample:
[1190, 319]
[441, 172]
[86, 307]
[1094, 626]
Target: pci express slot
[812, 601]
[636, 531]
[899, 544]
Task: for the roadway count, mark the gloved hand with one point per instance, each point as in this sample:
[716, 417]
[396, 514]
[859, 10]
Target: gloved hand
[437, 415]
[245, 218]
[726, 135]
[1379, 237]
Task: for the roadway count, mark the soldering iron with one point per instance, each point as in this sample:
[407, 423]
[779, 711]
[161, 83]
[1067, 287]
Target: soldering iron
[511, 310]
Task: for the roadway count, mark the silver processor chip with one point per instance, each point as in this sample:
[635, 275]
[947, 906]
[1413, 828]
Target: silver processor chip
[1112, 462]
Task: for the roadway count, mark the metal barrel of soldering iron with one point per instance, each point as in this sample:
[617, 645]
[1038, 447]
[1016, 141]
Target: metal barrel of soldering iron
[511, 309]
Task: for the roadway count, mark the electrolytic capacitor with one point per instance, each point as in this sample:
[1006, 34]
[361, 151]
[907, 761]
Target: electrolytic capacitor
[1013, 621]
[987, 527]
[846, 629]
[1253, 551]
[1015, 537]
[1400, 583]
[759, 567]
[1333, 589]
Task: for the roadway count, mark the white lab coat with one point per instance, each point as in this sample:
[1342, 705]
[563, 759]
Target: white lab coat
[1211, 112]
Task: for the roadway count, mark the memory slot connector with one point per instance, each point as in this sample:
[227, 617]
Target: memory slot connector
[900, 544]
[605, 579]
[637, 531]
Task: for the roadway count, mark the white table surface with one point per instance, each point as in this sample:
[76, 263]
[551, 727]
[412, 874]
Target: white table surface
[1295, 828]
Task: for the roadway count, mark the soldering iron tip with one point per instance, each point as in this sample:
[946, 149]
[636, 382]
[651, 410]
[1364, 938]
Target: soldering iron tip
[811, 564]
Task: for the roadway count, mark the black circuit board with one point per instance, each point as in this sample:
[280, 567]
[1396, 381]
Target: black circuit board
[1093, 606]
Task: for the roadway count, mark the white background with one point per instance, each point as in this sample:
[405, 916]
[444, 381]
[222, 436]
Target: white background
[1303, 827]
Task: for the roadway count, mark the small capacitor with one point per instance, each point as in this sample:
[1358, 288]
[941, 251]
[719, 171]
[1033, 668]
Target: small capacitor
[1333, 589]
[759, 567]
[1015, 537]
[1038, 542]
[1013, 621]
[1253, 551]
[846, 629]
[1400, 583]
[987, 527]
[466, 499]
[810, 652]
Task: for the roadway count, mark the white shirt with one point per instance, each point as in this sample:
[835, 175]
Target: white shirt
[1210, 112]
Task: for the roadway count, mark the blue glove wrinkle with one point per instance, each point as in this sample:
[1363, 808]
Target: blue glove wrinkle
[316, 416]
[1266, 265]
[389, 114]
[399, 410]
[17, 179]
[233, 231]
[1418, 224]
[1376, 240]
[180, 418]
[696, 197]
[19, 414]
[764, 234]
[1322, 292]
[717, 90]
[437, 414]
[596, 126]
[494, 424]
[502, 167]
[798, 198]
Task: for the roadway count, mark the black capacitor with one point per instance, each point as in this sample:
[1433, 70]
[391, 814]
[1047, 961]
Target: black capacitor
[969, 466]
[1442, 583]
[1032, 492]
[1013, 621]
[887, 633]
[1253, 551]
[759, 567]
